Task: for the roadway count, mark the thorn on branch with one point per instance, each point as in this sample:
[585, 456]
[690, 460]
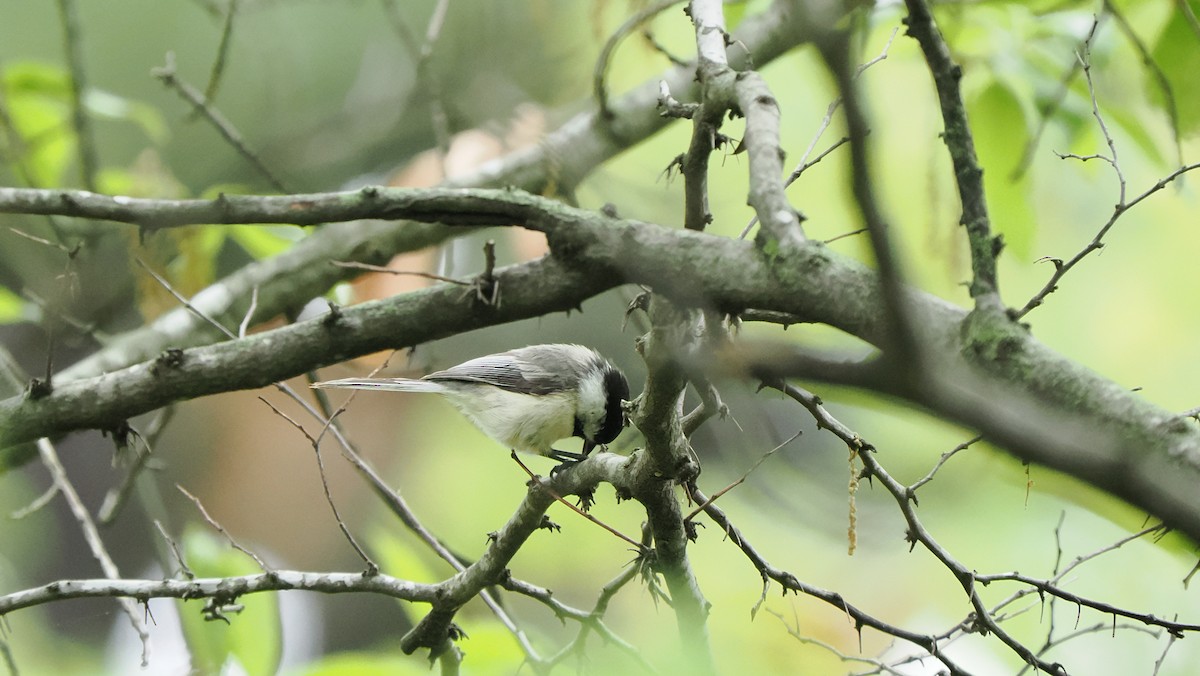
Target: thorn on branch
[216, 607]
[1058, 262]
[333, 317]
[486, 288]
[39, 389]
[639, 302]
[170, 358]
[120, 434]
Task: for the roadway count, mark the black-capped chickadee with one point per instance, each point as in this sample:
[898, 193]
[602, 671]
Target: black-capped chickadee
[528, 398]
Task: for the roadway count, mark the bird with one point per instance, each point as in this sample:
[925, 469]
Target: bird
[528, 398]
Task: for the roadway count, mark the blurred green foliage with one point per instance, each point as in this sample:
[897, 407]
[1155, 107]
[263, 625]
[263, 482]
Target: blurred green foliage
[245, 635]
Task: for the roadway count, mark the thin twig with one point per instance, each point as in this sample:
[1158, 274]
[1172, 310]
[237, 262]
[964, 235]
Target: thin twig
[1046, 587]
[804, 164]
[389, 496]
[400, 508]
[793, 630]
[354, 265]
[549, 491]
[84, 138]
[713, 498]
[182, 300]
[1160, 77]
[36, 504]
[1162, 657]
[372, 567]
[34, 238]
[221, 529]
[941, 461]
[1051, 106]
[599, 73]
[845, 235]
[183, 567]
[1061, 268]
[218, 67]
[224, 127]
[245, 325]
[437, 107]
[588, 621]
[901, 346]
[6, 652]
[92, 536]
[790, 582]
[422, 56]
[967, 578]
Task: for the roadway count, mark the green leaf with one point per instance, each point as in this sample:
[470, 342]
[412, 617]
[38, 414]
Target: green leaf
[107, 105]
[38, 102]
[251, 638]
[12, 308]
[262, 241]
[398, 556]
[26, 78]
[1177, 52]
[1001, 132]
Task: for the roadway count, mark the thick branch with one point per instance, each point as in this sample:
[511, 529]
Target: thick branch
[291, 279]
[1100, 431]
[664, 463]
[433, 631]
[716, 97]
[761, 142]
[450, 206]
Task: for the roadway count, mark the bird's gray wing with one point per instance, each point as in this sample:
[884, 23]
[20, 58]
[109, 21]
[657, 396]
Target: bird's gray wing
[506, 371]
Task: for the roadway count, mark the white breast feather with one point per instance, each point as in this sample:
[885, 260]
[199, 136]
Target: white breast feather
[522, 422]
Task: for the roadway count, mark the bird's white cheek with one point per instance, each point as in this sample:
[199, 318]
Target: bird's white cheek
[593, 401]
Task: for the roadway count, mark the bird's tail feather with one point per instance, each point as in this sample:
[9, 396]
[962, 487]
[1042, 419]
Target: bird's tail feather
[387, 384]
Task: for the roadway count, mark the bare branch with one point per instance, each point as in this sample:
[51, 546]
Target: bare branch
[221, 529]
[224, 127]
[372, 567]
[218, 67]
[600, 72]
[902, 346]
[1061, 268]
[84, 138]
[579, 145]
[92, 536]
[221, 588]
[791, 583]
[957, 135]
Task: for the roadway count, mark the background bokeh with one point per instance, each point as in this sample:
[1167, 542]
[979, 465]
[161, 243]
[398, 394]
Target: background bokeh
[328, 95]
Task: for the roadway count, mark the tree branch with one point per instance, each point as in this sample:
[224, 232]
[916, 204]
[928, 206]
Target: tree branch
[1093, 429]
[224, 588]
[294, 277]
[957, 135]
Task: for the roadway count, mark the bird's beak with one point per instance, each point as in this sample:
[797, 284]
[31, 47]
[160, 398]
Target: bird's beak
[588, 445]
